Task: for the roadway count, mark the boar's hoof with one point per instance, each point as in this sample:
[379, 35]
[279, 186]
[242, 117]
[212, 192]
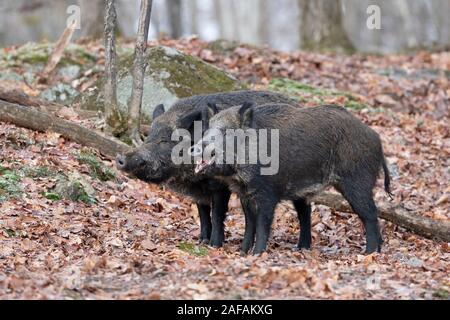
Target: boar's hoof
[372, 250]
[243, 253]
[203, 241]
[215, 244]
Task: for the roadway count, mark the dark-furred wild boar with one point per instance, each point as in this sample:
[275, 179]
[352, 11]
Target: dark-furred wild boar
[152, 162]
[318, 147]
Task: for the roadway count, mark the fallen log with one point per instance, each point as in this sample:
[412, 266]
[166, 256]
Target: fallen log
[39, 120]
[418, 224]
[19, 97]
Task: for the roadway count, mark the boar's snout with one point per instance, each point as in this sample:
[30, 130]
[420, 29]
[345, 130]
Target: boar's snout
[121, 162]
[129, 163]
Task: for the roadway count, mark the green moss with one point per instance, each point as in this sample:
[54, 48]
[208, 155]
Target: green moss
[442, 293]
[314, 95]
[187, 75]
[38, 172]
[77, 192]
[51, 196]
[9, 184]
[96, 167]
[9, 232]
[70, 189]
[39, 53]
[192, 249]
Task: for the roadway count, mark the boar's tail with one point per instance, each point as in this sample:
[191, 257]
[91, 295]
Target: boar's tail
[387, 179]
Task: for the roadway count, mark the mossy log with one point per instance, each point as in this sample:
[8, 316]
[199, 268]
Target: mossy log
[39, 120]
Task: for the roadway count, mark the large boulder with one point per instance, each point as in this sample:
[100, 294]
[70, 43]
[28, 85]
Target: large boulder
[169, 75]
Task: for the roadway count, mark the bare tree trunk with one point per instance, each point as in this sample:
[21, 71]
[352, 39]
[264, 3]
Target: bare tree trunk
[193, 15]
[113, 117]
[321, 26]
[92, 12]
[264, 22]
[139, 66]
[174, 15]
[226, 15]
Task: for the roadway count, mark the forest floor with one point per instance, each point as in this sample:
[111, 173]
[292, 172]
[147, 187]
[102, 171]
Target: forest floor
[122, 238]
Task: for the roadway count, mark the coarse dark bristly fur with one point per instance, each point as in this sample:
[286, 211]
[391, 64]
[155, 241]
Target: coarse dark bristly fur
[152, 162]
[318, 147]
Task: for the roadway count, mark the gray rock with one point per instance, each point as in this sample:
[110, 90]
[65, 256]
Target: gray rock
[70, 72]
[61, 93]
[414, 262]
[169, 75]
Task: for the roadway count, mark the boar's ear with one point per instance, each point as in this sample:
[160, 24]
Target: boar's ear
[159, 110]
[207, 113]
[246, 114]
[187, 121]
[212, 109]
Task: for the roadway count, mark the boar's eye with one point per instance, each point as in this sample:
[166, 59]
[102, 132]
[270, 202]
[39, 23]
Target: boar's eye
[162, 142]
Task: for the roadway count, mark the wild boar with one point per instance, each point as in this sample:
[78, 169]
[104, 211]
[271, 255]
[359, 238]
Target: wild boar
[317, 147]
[152, 161]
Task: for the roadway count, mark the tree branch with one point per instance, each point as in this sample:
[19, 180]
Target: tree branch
[139, 66]
[424, 226]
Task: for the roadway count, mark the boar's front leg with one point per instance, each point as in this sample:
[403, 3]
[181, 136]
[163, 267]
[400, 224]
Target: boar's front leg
[303, 209]
[265, 207]
[204, 212]
[219, 209]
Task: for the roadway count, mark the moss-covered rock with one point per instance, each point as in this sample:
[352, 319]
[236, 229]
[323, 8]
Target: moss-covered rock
[60, 93]
[311, 96]
[96, 168]
[73, 187]
[169, 75]
[37, 54]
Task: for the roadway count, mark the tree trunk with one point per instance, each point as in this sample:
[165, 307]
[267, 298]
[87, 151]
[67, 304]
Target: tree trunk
[174, 15]
[113, 118]
[193, 8]
[91, 13]
[139, 66]
[321, 26]
[226, 15]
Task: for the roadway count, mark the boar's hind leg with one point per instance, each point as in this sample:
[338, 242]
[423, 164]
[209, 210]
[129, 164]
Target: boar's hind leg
[205, 222]
[361, 200]
[250, 225]
[265, 206]
[219, 209]
[304, 216]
